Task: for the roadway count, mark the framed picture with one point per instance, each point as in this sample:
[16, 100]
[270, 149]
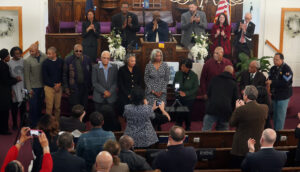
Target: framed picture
[174, 67]
[11, 26]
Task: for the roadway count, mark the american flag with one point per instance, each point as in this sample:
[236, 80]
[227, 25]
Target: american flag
[223, 7]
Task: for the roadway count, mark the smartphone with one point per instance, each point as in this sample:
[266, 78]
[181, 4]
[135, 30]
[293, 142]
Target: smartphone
[34, 132]
[158, 102]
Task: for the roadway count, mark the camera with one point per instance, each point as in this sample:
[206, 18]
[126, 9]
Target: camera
[35, 132]
[158, 102]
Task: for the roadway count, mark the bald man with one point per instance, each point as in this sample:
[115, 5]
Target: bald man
[253, 76]
[34, 82]
[104, 162]
[157, 30]
[267, 158]
[244, 35]
[212, 67]
[77, 77]
[177, 157]
[104, 81]
[222, 94]
[134, 161]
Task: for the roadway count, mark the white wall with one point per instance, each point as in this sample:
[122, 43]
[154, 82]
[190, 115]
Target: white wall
[268, 18]
[35, 20]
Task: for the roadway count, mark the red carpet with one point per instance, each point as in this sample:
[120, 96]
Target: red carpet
[25, 155]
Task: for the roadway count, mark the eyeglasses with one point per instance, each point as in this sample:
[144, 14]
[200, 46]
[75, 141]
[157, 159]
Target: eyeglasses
[78, 51]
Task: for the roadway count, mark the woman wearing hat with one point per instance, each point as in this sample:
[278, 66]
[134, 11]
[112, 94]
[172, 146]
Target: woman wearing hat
[6, 82]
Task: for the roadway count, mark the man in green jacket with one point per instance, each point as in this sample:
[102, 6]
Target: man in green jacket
[34, 82]
[186, 85]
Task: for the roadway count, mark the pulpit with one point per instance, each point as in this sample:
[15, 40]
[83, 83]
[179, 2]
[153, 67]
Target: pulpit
[172, 52]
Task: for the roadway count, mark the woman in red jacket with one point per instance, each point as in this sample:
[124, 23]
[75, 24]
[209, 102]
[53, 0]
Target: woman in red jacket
[10, 162]
[220, 35]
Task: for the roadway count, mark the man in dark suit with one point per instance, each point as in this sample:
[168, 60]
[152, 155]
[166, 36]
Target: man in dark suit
[104, 80]
[74, 122]
[63, 160]
[157, 30]
[222, 94]
[252, 76]
[244, 33]
[177, 158]
[267, 158]
[126, 24]
[249, 119]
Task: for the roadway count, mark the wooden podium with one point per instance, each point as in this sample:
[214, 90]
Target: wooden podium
[171, 52]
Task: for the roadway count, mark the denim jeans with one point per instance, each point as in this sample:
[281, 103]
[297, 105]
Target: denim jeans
[35, 106]
[209, 120]
[279, 113]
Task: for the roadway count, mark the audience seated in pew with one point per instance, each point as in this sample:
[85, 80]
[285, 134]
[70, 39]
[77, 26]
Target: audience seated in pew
[74, 122]
[113, 147]
[177, 158]
[267, 158]
[134, 161]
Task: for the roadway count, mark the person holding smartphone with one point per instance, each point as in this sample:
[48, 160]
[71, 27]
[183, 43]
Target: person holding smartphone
[187, 84]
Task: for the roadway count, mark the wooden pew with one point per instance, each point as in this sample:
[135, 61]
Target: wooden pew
[285, 169]
[218, 139]
[221, 158]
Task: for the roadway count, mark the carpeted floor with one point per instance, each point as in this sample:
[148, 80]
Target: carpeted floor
[25, 155]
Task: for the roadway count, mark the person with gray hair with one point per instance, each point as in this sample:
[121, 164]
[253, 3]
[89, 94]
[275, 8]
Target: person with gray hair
[63, 159]
[129, 76]
[134, 161]
[252, 76]
[104, 81]
[249, 118]
[267, 158]
[156, 77]
[104, 162]
[77, 77]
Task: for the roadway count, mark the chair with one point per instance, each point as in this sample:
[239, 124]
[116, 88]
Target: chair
[66, 25]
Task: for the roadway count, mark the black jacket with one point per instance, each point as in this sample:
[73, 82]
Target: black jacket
[64, 161]
[248, 35]
[258, 80]
[282, 79]
[134, 161]
[222, 93]
[6, 81]
[265, 160]
[163, 31]
[70, 124]
[127, 81]
[176, 159]
[129, 33]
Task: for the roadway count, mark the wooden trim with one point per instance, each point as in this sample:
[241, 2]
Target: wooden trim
[283, 11]
[272, 46]
[26, 51]
[19, 9]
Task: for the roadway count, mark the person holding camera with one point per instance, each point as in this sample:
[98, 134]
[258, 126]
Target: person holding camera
[186, 86]
[138, 116]
[10, 162]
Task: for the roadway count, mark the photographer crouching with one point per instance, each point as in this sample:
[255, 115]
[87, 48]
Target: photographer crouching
[186, 86]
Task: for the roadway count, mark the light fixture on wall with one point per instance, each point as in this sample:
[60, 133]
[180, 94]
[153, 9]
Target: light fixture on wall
[200, 2]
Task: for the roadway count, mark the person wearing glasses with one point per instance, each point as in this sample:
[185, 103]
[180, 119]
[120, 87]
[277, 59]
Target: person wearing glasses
[77, 77]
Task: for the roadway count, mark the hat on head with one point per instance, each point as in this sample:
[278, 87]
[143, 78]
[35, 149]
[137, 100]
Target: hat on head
[3, 53]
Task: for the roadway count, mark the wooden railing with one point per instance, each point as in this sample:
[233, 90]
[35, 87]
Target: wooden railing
[26, 51]
[272, 46]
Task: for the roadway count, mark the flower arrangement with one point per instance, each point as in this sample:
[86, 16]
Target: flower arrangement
[199, 50]
[116, 50]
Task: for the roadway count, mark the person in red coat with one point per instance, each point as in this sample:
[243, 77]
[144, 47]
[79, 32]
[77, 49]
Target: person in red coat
[10, 162]
[220, 35]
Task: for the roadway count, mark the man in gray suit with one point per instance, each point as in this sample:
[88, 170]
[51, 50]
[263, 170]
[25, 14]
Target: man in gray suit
[104, 80]
[192, 21]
